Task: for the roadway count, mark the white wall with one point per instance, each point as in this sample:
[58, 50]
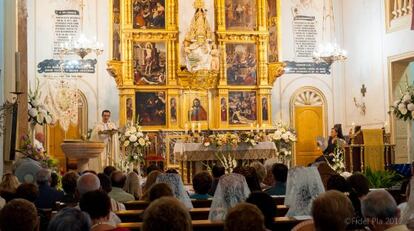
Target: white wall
[369, 47]
[99, 88]
[286, 86]
[360, 29]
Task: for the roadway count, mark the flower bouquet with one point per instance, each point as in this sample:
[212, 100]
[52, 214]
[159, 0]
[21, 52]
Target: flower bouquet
[38, 113]
[36, 152]
[337, 164]
[134, 142]
[403, 108]
[250, 138]
[284, 138]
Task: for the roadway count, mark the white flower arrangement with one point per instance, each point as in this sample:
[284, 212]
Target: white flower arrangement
[403, 108]
[134, 141]
[338, 163]
[283, 134]
[227, 161]
[38, 113]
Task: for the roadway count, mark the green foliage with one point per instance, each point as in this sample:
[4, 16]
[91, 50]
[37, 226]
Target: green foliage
[382, 179]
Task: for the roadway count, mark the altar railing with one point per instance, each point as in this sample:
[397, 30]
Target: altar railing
[355, 155]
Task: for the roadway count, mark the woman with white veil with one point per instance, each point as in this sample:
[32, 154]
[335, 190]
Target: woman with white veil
[231, 190]
[407, 213]
[177, 186]
[303, 186]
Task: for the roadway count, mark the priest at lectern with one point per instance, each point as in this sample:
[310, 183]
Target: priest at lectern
[107, 132]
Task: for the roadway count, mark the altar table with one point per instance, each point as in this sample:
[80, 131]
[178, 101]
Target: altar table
[190, 153]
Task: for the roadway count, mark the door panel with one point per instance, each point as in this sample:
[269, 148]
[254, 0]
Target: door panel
[309, 125]
[57, 135]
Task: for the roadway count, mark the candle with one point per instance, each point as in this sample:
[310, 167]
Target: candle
[257, 128]
[353, 127]
[199, 127]
[17, 71]
[386, 127]
[192, 127]
[264, 128]
[251, 127]
[186, 128]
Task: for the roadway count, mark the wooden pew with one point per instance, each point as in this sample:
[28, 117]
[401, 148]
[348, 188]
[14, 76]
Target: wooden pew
[138, 205]
[280, 224]
[279, 200]
[196, 214]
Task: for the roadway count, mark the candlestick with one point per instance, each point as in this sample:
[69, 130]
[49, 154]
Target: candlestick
[186, 128]
[17, 71]
[199, 127]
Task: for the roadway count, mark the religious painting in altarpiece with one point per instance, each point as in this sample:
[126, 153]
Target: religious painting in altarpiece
[166, 83]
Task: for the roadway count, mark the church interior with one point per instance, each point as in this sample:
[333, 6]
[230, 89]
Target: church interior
[313, 90]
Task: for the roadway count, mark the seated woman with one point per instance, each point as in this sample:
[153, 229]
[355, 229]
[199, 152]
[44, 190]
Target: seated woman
[98, 205]
[151, 178]
[176, 184]
[231, 190]
[336, 138]
[302, 187]
[202, 182]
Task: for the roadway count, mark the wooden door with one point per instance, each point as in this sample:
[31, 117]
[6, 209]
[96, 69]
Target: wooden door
[309, 125]
[57, 135]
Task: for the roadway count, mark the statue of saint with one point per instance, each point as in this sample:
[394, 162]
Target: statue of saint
[199, 42]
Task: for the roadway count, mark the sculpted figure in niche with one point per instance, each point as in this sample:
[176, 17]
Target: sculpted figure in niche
[199, 49]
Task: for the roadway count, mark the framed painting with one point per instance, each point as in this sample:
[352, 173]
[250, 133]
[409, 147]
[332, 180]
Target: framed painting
[242, 107]
[265, 109]
[116, 37]
[150, 108]
[241, 14]
[129, 109]
[197, 107]
[173, 110]
[241, 64]
[223, 109]
[148, 14]
[149, 63]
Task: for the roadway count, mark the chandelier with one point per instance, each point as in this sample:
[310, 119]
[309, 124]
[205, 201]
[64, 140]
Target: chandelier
[82, 47]
[328, 52]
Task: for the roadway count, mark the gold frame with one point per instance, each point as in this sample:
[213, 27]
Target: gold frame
[122, 70]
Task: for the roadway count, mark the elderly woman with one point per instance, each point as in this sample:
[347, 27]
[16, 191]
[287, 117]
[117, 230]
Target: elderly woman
[176, 184]
[303, 186]
[231, 190]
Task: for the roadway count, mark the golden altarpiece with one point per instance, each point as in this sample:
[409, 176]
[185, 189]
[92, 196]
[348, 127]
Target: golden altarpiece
[211, 75]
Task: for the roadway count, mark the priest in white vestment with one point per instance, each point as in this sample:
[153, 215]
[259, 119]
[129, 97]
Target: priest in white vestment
[105, 131]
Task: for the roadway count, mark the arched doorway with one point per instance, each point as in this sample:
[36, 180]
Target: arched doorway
[308, 108]
[401, 73]
[56, 134]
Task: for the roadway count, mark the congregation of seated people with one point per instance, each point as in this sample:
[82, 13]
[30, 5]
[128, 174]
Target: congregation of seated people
[254, 198]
